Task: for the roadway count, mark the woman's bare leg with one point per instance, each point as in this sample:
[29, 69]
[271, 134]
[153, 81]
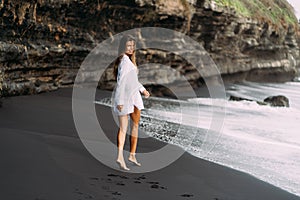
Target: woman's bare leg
[135, 119]
[123, 120]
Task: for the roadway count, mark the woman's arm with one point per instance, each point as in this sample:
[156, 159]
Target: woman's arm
[127, 83]
[123, 70]
[143, 90]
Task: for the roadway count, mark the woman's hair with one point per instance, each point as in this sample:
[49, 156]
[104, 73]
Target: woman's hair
[121, 52]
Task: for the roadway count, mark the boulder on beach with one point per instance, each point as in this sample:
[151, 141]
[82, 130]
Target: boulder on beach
[277, 101]
[235, 98]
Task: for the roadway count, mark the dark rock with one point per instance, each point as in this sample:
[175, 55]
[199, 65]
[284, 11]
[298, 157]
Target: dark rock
[261, 103]
[235, 98]
[277, 101]
[43, 43]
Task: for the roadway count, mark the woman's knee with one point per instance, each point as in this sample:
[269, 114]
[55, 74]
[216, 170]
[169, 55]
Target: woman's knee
[123, 120]
[122, 130]
[135, 116]
[135, 125]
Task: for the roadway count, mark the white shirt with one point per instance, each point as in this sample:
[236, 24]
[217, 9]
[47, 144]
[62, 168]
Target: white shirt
[128, 88]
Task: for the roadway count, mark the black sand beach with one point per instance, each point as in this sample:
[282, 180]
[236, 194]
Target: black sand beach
[42, 158]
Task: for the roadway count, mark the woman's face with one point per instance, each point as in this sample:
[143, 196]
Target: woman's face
[130, 47]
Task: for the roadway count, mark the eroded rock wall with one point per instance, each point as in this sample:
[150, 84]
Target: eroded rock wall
[43, 42]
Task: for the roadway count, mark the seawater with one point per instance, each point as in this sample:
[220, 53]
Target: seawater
[260, 140]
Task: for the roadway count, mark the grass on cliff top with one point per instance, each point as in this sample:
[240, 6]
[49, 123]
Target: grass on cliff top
[278, 12]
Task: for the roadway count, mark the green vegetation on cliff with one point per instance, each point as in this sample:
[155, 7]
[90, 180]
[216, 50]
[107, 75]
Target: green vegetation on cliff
[278, 12]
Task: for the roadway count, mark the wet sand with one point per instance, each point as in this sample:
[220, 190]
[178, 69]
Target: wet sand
[42, 158]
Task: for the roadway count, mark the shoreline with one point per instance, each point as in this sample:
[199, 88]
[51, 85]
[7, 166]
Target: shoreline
[43, 158]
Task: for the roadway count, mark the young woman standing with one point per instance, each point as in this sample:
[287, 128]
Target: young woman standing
[128, 100]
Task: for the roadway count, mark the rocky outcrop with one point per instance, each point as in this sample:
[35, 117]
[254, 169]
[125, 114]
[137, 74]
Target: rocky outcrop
[274, 101]
[277, 101]
[43, 42]
[247, 48]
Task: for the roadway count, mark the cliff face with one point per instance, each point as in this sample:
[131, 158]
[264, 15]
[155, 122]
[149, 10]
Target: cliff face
[43, 42]
[247, 48]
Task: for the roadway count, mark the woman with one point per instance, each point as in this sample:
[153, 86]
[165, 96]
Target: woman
[128, 100]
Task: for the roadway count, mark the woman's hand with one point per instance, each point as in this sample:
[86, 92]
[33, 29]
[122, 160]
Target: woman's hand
[120, 107]
[146, 93]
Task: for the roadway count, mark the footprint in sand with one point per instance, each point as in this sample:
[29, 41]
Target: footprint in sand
[140, 178]
[187, 195]
[83, 195]
[156, 185]
[120, 184]
[120, 176]
[137, 182]
[94, 178]
[153, 182]
[106, 185]
[116, 193]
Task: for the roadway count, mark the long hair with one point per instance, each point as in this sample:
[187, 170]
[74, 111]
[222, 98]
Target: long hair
[121, 52]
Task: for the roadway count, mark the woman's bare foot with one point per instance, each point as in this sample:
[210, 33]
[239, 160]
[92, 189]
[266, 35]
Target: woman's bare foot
[132, 159]
[122, 164]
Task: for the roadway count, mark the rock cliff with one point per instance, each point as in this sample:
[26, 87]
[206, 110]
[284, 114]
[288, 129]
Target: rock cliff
[43, 42]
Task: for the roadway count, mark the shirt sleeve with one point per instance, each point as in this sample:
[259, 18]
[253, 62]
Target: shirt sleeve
[141, 88]
[121, 87]
[127, 81]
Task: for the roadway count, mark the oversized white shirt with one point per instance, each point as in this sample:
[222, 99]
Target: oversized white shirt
[128, 88]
